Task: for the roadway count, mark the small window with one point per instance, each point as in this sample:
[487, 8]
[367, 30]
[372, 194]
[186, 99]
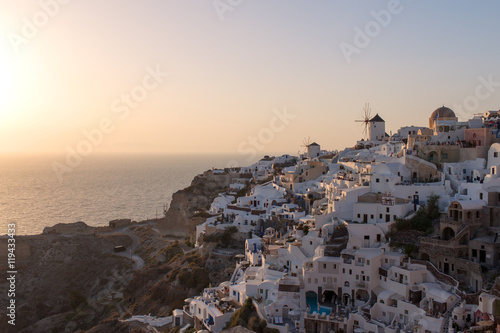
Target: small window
[377, 180]
[495, 154]
[387, 209]
[324, 266]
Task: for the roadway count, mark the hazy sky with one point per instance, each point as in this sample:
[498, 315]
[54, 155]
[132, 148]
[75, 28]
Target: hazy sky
[232, 66]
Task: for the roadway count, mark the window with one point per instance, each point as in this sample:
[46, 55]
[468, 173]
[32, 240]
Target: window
[343, 270]
[350, 272]
[377, 180]
[359, 215]
[334, 266]
[445, 156]
[357, 277]
[368, 262]
[324, 266]
[495, 154]
[474, 252]
[387, 209]
[481, 196]
[371, 216]
[380, 216]
[387, 180]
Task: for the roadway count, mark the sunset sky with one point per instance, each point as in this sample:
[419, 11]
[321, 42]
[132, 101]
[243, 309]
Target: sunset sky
[231, 68]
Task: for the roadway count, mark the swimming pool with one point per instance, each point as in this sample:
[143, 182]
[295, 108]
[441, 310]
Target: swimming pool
[312, 302]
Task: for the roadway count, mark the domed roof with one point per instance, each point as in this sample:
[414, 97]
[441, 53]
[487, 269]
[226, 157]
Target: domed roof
[443, 112]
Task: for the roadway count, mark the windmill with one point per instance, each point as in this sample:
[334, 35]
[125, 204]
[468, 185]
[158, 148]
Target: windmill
[366, 119]
[305, 143]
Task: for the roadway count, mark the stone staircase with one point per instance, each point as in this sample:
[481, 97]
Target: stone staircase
[447, 316]
[441, 277]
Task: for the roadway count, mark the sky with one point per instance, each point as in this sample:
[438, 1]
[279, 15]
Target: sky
[236, 76]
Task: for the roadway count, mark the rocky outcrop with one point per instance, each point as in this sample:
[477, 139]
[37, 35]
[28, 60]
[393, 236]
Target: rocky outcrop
[204, 188]
[80, 228]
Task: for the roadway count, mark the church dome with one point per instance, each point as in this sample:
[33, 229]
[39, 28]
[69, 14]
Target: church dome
[443, 112]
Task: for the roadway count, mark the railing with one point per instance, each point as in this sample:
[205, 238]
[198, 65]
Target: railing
[361, 285]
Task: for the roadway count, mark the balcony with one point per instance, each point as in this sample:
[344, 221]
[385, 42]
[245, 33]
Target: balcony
[362, 284]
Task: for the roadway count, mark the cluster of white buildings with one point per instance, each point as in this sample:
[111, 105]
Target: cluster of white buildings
[317, 257]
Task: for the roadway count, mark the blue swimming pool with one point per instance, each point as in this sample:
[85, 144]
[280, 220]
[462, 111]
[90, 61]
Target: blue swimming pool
[312, 302]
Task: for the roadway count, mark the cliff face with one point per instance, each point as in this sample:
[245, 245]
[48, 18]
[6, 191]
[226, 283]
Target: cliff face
[65, 281]
[179, 220]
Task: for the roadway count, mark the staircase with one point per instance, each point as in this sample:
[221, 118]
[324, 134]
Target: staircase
[447, 316]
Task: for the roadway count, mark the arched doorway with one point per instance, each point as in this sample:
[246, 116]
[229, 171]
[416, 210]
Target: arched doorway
[362, 295]
[346, 299]
[448, 233]
[425, 256]
[433, 156]
[329, 297]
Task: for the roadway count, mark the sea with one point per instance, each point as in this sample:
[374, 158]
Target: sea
[100, 189]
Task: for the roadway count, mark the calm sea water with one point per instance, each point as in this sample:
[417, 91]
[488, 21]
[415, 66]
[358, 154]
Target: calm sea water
[100, 189]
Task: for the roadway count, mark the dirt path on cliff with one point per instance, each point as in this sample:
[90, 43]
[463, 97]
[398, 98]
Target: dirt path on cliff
[129, 253]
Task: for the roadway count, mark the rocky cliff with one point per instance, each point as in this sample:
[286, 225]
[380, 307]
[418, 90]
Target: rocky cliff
[65, 281]
[179, 220]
